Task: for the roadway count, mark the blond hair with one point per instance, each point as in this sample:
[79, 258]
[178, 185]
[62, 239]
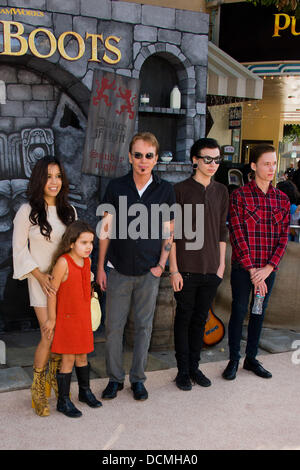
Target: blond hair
[146, 137]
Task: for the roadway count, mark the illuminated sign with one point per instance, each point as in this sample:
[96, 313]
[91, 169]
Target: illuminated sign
[288, 20]
[251, 33]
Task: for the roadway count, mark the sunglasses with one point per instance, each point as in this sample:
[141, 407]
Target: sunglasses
[209, 160]
[139, 155]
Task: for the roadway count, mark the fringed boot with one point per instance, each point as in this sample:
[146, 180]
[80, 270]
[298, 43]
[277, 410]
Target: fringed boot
[38, 392]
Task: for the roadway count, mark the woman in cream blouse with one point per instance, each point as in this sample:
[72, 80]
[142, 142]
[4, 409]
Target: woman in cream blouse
[38, 228]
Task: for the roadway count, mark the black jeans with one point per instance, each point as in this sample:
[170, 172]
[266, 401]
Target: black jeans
[242, 287]
[193, 303]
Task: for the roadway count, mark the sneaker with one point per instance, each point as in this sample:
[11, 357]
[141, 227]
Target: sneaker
[111, 390]
[255, 366]
[199, 378]
[139, 391]
[183, 381]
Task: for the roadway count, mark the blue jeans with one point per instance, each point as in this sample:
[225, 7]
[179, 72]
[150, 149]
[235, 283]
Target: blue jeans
[242, 287]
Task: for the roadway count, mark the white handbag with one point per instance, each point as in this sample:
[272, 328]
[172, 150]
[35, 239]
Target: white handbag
[95, 311]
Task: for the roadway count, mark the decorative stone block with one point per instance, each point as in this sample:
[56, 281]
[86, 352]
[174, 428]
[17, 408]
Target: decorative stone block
[51, 107]
[124, 11]
[170, 36]
[201, 108]
[28, 4]
[195, 48]
[21, 123]
[12, 108]
[152, 49]
[188, 84]
[136, 49]
[158, 16]
[124, 72]
[139, 62]
[62, 23]
[88, 79]
[35, 109]
[8, 74]
[6, 124]
[95, 8]
[71, 6]
[35, 20]
[125, 32]
[201, 83]
[5, 17]
[83, 25]
[160, 47]
[19, 92]
[42, 92]
[172, 49]
[76, 67]
[145, 33]
[192, 22]
[191, 112]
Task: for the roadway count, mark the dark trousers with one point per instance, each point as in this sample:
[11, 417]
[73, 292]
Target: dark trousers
[193, 303]
[242, 287]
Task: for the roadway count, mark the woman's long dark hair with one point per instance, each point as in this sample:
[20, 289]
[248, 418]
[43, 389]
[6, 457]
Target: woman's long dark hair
[35, 193]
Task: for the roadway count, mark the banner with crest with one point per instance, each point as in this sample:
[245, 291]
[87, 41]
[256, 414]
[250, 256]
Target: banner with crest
[111, 124]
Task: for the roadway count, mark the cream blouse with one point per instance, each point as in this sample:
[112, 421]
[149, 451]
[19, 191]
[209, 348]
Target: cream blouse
[32, 250]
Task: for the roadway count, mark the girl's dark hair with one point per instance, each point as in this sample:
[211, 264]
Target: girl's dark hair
[35, 193]
[72, 233]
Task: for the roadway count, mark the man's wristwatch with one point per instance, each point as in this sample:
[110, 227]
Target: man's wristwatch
[161, 267]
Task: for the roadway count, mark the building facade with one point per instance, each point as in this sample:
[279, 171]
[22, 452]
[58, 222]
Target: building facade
[266, 42]
[49, 52]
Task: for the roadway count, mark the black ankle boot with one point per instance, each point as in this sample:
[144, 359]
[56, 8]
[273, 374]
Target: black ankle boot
[85, 393]
[183, 381]
[64, 404]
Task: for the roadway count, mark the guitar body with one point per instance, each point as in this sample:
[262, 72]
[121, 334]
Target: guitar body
[214, 329]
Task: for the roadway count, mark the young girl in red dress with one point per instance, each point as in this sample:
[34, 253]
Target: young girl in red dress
[69, 315]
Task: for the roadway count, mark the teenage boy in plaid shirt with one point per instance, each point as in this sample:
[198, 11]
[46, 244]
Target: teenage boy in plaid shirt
[259, 227]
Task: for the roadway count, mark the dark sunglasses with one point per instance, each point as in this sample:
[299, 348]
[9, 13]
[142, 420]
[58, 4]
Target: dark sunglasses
[140, 155]
[209, 160]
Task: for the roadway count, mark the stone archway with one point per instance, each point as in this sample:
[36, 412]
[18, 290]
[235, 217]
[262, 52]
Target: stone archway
[188, 126]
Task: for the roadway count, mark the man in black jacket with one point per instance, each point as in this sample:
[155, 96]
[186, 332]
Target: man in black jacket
[137, 260]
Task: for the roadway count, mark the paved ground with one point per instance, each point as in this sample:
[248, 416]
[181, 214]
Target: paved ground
[248, 413]
[16, 373]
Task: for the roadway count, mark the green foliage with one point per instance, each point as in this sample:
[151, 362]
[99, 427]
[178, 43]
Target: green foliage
[291, 132]
[285, 6]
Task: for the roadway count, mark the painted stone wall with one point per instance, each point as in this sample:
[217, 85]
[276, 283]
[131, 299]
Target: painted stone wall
[47, 101]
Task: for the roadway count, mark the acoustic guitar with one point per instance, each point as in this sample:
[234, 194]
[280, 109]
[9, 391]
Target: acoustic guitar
[214, 329]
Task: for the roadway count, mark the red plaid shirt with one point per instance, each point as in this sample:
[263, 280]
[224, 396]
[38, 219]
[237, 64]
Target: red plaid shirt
[258, 225]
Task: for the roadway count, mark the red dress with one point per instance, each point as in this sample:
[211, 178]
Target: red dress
[73, 330]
